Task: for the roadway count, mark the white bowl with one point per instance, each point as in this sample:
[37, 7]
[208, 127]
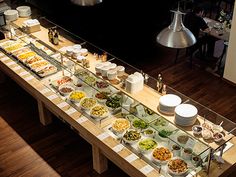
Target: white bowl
[62, 88]
[176, 173]
[218, 139]
[131, 141]
[93, 103]
[146, 141]
[99, 107]
[76, 92]
[159, 160]
[197, 129]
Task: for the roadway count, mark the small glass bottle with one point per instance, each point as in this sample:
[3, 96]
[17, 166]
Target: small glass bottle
[163, 89]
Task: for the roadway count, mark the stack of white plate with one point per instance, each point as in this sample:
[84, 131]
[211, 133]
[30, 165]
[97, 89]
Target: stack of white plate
[167, 103]
[185, 114]
[24, 11]
[11, 15]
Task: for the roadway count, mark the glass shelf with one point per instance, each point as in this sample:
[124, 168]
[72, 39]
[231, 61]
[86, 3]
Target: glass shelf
[137, 109]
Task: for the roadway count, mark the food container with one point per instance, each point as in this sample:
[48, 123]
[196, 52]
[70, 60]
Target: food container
[120, 70]
[177, 167]
[187, 153]
[182, 139]
[206, 134]
[176, 150]
[146, 145]
[196, 160]
[217, 128]
[76, 96]
[87, 103]
[111, 74]
[11, 15]
[197, 129]
[107, 63]
[98, 68]
[65, 89]
[84, 52]
[149, 133]
[120, 125]
[77, 46]
[69, 51]
[102, 96]
[24, 11]
[161, 155]
[75, 53]
[112, 66]
[80, 58]
[104, 70]
[131, 136]
[99, 112]
[218, 137]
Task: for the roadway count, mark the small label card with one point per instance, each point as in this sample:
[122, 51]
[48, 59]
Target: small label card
[103, 136]
[45, 90]
[146, 169]
[52, 97]
[11, 63]
[29, 78]
[140, 110]
[5, 59]
[71, 111]
[62, 104]
[23, 73]
[82, 119]
[132, 157]
[16, 68]
[118, 148]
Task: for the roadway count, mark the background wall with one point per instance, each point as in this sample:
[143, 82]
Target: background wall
[125, 28]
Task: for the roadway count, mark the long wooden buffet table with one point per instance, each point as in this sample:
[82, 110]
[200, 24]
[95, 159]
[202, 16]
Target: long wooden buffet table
[103, 145]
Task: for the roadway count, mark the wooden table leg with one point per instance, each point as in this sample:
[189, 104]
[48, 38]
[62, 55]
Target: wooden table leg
[99, 160]
[45, 115]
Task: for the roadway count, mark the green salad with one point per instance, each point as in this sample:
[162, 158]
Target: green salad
[138, 123]
[164, 133]
[147, 144]
[132, 135]
[113, 102]
[161, 122]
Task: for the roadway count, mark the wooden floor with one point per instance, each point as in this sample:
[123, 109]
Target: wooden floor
[29, 149]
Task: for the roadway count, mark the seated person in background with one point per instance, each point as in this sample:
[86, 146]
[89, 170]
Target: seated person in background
[195, 23]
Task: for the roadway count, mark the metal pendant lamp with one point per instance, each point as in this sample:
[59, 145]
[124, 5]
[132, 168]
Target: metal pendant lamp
[176, 35]
[86, 2]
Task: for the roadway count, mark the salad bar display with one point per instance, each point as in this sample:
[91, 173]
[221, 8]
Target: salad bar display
[168, 136]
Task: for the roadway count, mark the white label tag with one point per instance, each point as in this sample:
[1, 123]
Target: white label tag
[82, 119]
[71, 111]
[132, 157]
[118, 148]
[191, 174]
[16, 68]
[5, 59]
[23, 73]
[29, 78]
[103, 136]
[146, 169]
[52, 97]
[11, 63]
[45, 90]
[62, 105]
